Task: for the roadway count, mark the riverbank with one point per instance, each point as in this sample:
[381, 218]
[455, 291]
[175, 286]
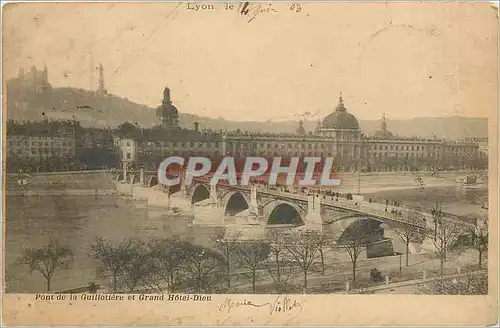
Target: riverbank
[67, 192]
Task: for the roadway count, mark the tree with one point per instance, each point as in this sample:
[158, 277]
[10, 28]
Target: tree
[447, 236]
[227, 244]
[473, 283]
[278, 264]
[411, 232]
[303, 248]
[354, 241]
[203, 267]
[251, 254]
[322, 240]
[480, 241]
[47, 259]
[166, 261]
[135, 269]
[114, 259]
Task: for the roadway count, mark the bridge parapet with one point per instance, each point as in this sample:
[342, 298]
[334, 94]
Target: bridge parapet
[265, 195]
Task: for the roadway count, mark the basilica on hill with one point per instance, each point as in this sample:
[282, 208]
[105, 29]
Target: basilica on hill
[338, 136]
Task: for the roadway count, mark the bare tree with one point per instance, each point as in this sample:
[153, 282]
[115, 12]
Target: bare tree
[166, 261]
[480, 241]
[322, 240]
[251, 254]
[354, 240]
[447, 235]
[278, 264]
[47, 259]
[303, 248]
[113, 259]
[411, 232]
[472, 283]
[227, 243]
[136, 268]
[203, 267]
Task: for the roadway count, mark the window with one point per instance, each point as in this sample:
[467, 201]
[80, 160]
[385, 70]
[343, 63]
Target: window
[128, 155]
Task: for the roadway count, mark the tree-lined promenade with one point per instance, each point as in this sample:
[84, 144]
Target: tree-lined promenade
[288, 260]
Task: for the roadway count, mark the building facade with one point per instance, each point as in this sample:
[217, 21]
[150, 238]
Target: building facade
[338, 136]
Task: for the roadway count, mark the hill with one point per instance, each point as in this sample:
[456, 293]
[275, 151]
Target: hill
[102, 110]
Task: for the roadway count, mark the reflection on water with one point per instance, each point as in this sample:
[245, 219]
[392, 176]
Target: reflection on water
[75, 221]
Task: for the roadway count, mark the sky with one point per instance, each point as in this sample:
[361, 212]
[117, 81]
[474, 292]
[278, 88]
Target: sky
[402, 59]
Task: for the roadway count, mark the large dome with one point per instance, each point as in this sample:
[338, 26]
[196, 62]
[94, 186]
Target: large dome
[167, 110]
[340, 119]
[383, 133]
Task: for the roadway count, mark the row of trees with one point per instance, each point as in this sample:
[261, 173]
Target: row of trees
[442, 163]
[174, 264]
[86, 158]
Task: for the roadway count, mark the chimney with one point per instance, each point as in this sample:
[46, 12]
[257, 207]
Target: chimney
[195, 124]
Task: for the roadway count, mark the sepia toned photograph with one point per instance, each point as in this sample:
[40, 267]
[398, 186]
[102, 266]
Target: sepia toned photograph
[233, 155]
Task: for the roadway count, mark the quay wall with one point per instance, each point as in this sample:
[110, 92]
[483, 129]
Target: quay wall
[60, 180]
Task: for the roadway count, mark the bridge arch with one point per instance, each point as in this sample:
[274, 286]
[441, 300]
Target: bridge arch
[153, 181]
[353, 226]
[285, 213]
[235, 202]
[200, 192]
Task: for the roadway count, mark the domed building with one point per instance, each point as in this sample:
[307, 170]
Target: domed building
[383, 133]
[342, 128]
[338, 135]
[340, 124]
[168, 113]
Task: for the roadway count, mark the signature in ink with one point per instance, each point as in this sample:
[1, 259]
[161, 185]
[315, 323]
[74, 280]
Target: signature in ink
[251, 10]
[229, 304]
[284, 304]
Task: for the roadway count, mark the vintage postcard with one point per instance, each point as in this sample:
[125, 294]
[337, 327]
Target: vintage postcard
[251, 163]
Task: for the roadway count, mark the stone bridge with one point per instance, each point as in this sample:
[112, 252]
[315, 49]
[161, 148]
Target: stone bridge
[277, 207]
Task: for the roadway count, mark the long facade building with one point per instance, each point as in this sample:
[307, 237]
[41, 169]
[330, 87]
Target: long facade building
[41, 140]
[338, 136]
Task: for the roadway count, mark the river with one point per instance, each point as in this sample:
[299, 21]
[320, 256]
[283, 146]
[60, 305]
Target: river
[76, 220]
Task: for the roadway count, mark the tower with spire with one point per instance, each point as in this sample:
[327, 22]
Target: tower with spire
[168, 113]
[340, 106]
[300, 130]
[101, 89]
[383, 133]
